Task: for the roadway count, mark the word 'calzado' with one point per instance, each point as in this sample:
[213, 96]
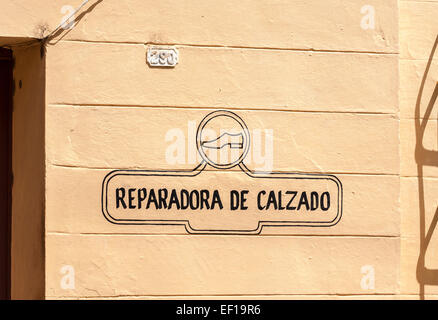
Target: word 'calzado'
[133, 198]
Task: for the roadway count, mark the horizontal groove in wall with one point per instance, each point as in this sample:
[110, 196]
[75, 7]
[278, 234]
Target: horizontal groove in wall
[236, 295]
[83, 105]
[182, 234]
[216, 46]
[236, 169]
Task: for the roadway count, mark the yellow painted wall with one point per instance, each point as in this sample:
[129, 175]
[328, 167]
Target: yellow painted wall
[418, 135]
[331, 91]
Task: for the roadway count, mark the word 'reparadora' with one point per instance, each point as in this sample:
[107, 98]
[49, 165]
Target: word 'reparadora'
[162, 199]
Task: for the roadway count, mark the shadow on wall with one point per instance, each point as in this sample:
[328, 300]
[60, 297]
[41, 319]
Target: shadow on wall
[425, 157]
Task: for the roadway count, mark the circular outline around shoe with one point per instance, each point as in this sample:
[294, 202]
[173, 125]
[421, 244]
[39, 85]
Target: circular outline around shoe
[208, 118]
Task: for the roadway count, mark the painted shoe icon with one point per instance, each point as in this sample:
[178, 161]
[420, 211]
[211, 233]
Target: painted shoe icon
[234, 141]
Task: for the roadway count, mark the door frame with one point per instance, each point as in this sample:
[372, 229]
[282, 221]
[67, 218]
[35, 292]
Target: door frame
[6, 55]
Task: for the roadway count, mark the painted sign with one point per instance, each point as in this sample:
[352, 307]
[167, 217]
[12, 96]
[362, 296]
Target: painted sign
[222, 195]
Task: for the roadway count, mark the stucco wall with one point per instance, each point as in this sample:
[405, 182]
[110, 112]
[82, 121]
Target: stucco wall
[327, 88]
[329, 92]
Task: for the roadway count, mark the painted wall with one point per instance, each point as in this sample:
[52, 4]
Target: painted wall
[308, 70]
[329, 92]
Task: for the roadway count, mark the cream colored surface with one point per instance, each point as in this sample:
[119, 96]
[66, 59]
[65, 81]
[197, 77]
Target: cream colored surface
[333, 106]
[218, 265]
[418, 35]
[340, 100]
[284, 24]
[223, 78]
[117, 137]
[83, 187]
